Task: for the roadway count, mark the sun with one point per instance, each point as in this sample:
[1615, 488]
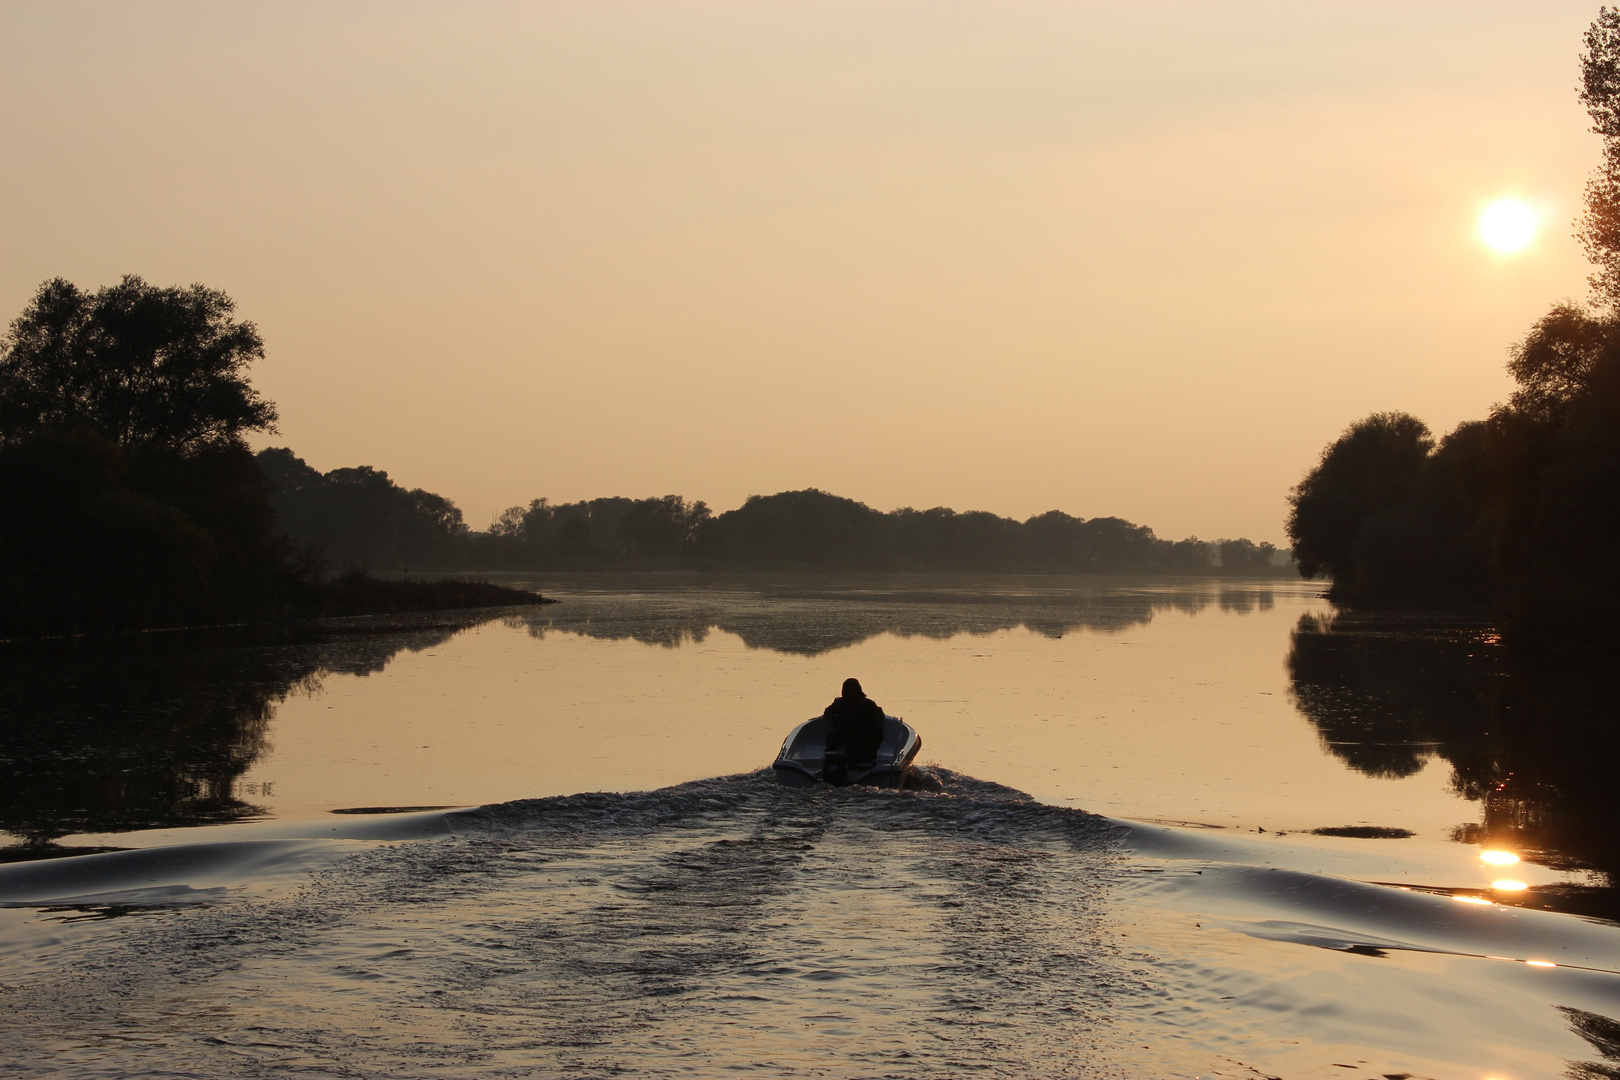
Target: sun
[1507, 225]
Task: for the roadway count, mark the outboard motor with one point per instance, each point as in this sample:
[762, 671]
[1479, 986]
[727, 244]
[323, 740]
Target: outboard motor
[835, 767]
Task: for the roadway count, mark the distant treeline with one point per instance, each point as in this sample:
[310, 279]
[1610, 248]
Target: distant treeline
[1519, 511]
[362, 519]
[359, 519]
[133, 501]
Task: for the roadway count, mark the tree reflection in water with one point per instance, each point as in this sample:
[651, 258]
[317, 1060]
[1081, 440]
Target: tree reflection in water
[156, 731]
[808, 618]
[1532, 739]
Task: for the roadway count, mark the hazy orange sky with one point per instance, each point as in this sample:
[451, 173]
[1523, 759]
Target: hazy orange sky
[1141, 259]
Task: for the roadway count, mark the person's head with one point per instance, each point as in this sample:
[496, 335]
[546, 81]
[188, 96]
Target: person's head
[852, 688]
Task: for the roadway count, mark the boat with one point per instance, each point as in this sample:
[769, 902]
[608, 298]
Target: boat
[805, 762]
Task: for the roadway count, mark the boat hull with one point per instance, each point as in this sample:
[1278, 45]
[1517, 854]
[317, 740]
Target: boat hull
[804, 762]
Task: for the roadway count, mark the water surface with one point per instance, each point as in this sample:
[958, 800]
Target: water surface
[1034, 915]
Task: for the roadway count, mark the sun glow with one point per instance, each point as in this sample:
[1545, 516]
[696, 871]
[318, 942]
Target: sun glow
[1498, 858]
[1507, 225]
[1508, 885]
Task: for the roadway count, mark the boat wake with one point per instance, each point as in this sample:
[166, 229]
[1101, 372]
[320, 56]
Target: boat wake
[732, 924]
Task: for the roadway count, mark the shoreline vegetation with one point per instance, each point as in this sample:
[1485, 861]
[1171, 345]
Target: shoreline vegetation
[362, 594]
[345, 596]
[133, 501]
[361, 519]
[1517, 514]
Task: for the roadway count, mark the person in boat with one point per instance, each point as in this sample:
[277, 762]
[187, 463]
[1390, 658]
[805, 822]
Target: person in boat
[855, 723]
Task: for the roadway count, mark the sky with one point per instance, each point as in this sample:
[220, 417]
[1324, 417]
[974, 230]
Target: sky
[1138, 259]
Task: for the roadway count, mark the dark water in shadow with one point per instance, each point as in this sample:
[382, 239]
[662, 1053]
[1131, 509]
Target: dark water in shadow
[1532, 739]
[156, 730]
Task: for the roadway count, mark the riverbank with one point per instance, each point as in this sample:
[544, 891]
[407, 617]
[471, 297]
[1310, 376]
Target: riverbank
[345, 597]
[362, 594]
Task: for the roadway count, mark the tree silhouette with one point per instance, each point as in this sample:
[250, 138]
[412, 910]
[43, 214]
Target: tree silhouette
[359, 518]
[1599, 230]
[662, 527]
[139, 364]
[1558, 361]
[1371, 468]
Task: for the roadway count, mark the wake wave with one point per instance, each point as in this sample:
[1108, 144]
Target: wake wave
[722, 924]
[730, 924]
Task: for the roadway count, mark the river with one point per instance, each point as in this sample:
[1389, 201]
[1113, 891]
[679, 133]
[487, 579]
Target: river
[1168, 828]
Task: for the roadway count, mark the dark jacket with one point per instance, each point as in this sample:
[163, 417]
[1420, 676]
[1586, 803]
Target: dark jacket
[855, 726]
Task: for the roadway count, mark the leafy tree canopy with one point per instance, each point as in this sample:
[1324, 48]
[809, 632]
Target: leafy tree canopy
[1599, 230]
[140, 364]
[1557, 361]
[1370, 468]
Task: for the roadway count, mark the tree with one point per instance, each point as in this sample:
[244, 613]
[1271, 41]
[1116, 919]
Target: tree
[662, 526]
[141, 365]
[1245, 556]
[1557, 361]
[1371, 468]
[1519, 510]
[1599, 227]
[574, 537]
[359, 518]
[82, 550]
[805, 529]
[131, 497]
